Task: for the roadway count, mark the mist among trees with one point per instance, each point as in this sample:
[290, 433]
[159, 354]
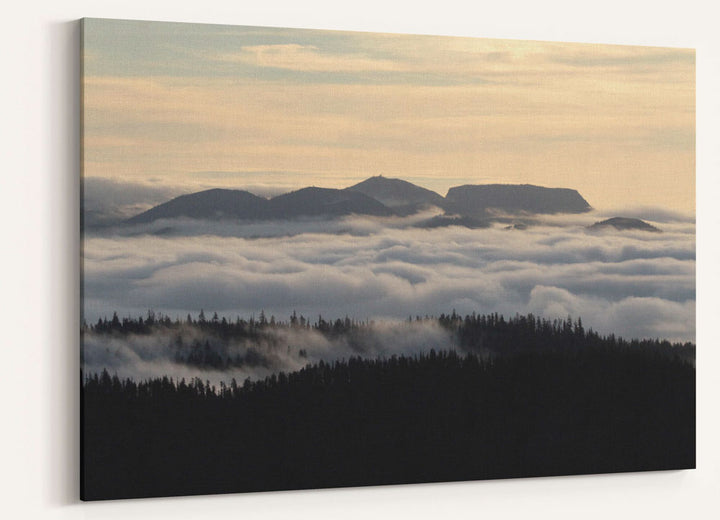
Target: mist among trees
[516, 397]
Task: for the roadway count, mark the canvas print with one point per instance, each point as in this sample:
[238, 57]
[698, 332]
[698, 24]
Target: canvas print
[316, 259]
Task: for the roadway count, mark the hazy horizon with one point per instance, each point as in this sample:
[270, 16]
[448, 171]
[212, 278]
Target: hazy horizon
[187, 106]
[108, 201]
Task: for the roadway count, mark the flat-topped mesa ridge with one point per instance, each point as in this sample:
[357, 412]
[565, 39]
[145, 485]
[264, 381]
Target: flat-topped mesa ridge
[484, 199]
[624, 224]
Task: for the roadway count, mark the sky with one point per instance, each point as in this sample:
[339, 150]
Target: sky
[175, 108]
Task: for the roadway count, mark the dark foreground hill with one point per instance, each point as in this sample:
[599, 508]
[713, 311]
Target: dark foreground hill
[624, 224]
[479, 200]
[568, 402]
[439, 417]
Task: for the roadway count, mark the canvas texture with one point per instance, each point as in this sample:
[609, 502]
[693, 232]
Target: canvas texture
[316, 259]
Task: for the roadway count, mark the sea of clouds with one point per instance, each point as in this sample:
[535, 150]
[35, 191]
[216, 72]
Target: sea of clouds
[632, 283]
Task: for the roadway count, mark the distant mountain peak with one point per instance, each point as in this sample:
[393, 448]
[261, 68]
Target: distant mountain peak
[397, 193]
[314, 201]
[624, 224]
[215, 203]
[218, 204]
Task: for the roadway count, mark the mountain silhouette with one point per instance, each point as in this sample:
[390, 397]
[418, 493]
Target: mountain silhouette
[470, 205]
[217, 204]
[625, 223]
[478, 200]
[402, 196]
[324, 201]
[210, 204]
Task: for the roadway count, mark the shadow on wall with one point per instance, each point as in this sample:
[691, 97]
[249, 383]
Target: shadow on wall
[61, 364]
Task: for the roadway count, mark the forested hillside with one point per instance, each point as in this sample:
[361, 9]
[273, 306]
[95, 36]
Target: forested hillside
[211, 343]
[561, 400]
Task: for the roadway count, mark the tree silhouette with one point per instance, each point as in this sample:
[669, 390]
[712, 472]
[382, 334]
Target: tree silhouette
[551, 399]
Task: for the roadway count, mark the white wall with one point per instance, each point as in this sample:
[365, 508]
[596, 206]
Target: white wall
[39, 204]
